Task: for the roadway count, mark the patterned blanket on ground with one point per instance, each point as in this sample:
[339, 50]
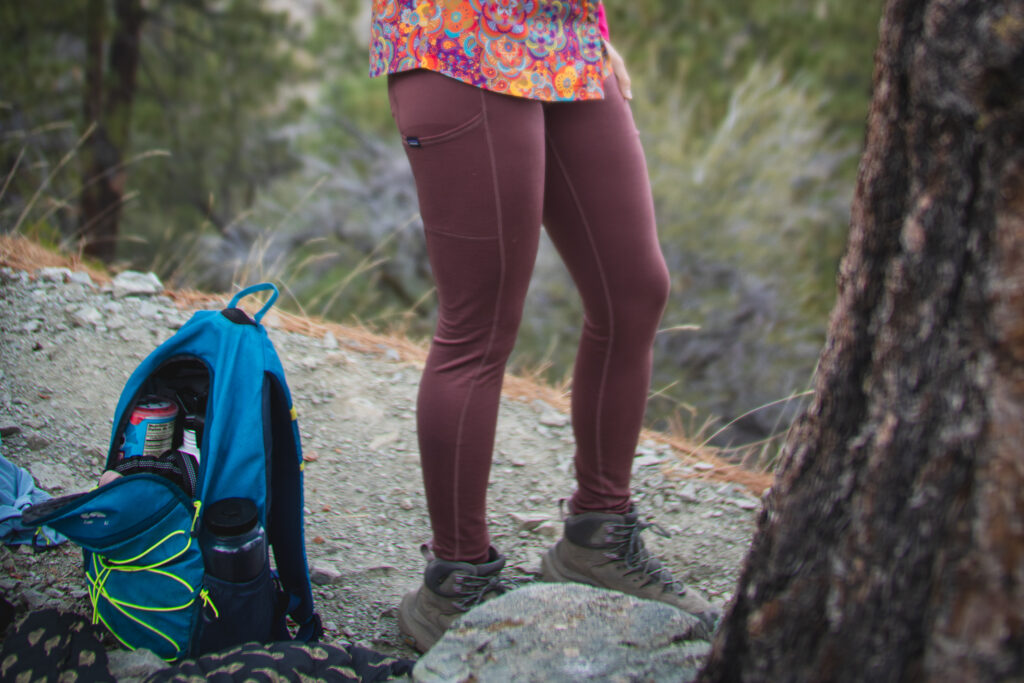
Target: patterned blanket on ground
[50, 645]
[288, 661]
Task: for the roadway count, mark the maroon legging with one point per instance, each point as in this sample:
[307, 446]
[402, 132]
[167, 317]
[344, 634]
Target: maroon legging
[489, 169]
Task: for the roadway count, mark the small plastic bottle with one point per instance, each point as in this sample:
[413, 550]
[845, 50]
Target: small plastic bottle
[192, 436]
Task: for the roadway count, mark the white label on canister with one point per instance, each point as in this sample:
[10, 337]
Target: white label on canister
[158, 437]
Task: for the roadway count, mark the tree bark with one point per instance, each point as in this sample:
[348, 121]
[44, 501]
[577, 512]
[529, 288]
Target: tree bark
[107, 103]
[891, 547]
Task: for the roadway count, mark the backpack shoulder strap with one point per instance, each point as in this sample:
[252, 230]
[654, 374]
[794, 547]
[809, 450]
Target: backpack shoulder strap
[284, 522]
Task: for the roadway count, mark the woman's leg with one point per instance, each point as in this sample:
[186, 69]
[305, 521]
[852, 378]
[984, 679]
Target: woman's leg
[478, 161]
[600, 215]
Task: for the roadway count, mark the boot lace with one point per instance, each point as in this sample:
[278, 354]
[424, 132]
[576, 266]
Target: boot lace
[472, 590]
[629, 548]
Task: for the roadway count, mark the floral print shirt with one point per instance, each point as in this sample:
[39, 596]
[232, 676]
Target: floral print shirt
[548, 50]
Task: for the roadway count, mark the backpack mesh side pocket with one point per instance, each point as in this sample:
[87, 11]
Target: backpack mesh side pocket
[238, 612]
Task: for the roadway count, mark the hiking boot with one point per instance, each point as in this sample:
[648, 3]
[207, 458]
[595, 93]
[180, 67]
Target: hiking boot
[449, 589]
[606, 551]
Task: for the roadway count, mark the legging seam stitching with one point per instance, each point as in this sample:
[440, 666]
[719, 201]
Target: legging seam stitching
[494, 324]
[478, 238]
[598, 451]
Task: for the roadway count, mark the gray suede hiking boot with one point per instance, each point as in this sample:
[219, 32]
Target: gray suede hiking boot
[449, 589]
[606, 551]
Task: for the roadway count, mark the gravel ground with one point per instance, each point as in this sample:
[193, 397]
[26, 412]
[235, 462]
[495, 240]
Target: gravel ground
[67, 345]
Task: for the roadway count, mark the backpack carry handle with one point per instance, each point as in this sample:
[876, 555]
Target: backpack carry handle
[263, 286]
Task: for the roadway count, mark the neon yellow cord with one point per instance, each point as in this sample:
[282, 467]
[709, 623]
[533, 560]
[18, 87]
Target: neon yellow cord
[208, 602]
[145, 608]
[120, 565]
[171, 575]
[99, 618]
[125, 563]
[121, 606]
[39, 532]
[103, 568]
[198, 505]
[152, 628]
[177, 650]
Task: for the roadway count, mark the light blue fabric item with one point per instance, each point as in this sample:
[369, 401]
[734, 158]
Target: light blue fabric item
[17, 492]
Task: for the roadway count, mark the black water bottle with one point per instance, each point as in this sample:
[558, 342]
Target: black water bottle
[235, 545]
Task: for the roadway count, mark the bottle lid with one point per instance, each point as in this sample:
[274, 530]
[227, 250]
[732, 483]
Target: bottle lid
[230, 516]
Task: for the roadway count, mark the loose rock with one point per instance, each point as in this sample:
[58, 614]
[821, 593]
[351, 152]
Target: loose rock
[134, 665]
[85, 316]
[322, 574]
[132, 283]
[54, 274]
[36, 442]
[568, 632]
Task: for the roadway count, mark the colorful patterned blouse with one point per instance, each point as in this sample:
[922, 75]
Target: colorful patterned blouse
[547, 50]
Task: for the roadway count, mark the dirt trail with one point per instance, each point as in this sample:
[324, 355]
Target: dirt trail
[67, 347]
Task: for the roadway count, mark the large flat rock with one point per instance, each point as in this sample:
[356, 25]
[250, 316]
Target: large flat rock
[568, 632]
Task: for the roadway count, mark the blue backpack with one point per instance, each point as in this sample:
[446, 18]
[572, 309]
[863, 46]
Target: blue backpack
[144, 537]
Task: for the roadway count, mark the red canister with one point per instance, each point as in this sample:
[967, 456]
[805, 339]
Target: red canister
[150, 429]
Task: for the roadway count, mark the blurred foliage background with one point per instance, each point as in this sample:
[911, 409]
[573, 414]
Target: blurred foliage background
[243, 140]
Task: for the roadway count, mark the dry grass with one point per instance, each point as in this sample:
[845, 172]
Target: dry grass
[23, 254]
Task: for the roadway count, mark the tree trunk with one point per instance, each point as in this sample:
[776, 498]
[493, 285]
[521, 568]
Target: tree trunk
[891, 547]
[107, 103]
